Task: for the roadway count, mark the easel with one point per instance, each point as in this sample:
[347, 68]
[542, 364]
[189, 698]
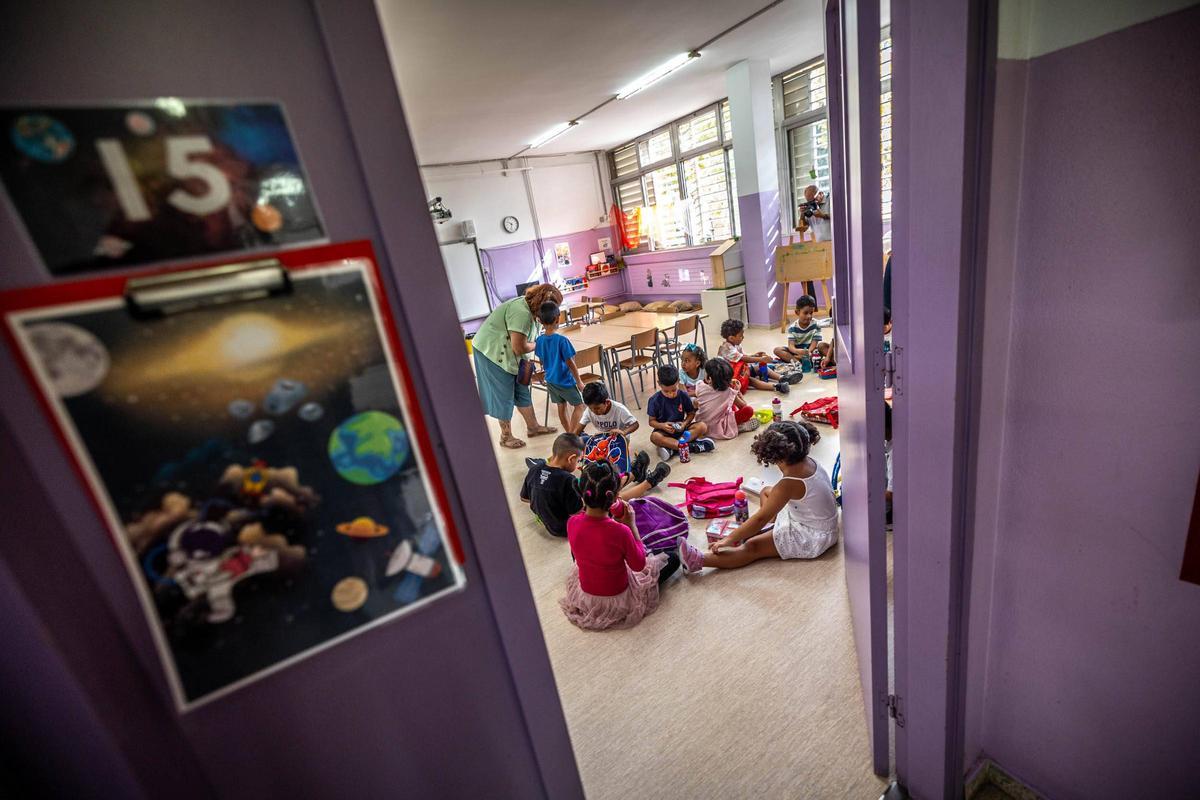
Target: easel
[804, 261]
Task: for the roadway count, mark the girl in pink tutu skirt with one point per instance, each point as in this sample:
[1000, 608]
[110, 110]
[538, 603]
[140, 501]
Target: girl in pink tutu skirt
[614, 583]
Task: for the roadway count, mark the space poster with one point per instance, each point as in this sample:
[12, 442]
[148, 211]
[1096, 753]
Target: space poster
[257, 464]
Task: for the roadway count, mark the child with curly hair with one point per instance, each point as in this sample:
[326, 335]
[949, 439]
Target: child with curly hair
[749, 370]
[691, 367]
[614, 583]
[800, 505]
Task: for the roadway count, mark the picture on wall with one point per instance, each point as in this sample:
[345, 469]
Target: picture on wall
[129, 184]
[605, 244]
[562, 254]
[262, 466]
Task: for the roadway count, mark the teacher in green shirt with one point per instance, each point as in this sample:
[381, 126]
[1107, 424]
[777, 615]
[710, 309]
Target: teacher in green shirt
[505, 337]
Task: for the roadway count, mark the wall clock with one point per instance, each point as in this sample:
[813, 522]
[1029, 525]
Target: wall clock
[510, 224]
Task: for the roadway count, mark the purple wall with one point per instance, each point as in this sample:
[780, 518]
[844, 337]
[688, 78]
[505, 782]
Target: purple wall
[759, 214]
[687, 272]
[400, 709]
[519, 263]
[1092, 647]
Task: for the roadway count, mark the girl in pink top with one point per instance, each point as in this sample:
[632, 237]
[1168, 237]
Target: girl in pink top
[614, 583]
[721, 406]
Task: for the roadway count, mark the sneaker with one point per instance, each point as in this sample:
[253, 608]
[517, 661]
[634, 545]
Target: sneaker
[535, 462]
[751, 424]
[704, 445]
[637, 467]
[794, 376]
[658, 474]
[691, 558]
[664, 454]
[782, 387]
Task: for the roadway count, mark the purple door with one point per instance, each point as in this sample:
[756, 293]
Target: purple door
[852, 53]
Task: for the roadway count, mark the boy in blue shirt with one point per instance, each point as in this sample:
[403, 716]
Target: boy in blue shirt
[557, 355]
[672, 413]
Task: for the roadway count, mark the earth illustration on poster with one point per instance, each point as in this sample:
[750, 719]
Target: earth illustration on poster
[258, 462]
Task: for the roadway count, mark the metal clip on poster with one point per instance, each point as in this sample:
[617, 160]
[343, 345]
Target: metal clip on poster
[160, 295]
[260, 462]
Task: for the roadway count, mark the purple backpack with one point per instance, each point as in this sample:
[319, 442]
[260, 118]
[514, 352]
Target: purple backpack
[660, 524]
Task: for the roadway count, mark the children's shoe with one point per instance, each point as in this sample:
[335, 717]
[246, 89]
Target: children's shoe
[704, 445]
[751, 424]
[793, 377]
[664, 454]
[782, 387]
[637, 467]
[535, 462]
[691, 558]
[658, 474]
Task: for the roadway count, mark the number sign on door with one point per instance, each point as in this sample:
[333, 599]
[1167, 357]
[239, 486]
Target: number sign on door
[123, 185]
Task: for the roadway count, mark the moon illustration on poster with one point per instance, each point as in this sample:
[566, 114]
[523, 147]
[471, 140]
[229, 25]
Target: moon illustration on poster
[74, 359]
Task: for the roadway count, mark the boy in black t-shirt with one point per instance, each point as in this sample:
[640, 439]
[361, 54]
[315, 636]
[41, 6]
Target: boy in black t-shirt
[552, 492]
[672, 413]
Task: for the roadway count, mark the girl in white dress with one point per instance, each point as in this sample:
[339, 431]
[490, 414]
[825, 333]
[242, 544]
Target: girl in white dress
[801, 506]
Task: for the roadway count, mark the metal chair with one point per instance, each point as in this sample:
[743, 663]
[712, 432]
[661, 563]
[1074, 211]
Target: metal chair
[675, 343]
[644, 355]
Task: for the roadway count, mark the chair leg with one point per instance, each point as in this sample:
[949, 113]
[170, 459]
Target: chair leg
[546, 414]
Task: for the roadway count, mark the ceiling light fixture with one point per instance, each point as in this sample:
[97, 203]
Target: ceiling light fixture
[552, 134]
[658, 73]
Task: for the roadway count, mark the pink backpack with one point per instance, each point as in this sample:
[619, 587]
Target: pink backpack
[704, 500]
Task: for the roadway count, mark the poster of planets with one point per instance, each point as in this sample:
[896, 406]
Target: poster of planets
[170, 178]
[258, 462]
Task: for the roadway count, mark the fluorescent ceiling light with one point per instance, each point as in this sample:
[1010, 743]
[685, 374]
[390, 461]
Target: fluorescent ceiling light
[552, 134]
[657, 74]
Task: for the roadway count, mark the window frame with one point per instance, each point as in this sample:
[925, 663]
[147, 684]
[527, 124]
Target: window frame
[783, 131]
[724, 142]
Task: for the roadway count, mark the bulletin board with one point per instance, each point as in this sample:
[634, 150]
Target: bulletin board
[261, 464]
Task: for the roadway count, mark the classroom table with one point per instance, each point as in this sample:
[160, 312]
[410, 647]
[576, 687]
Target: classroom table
[665, 323]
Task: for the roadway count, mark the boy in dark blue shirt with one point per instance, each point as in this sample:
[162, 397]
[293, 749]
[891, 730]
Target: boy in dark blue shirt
[672, 413]
[557, 355]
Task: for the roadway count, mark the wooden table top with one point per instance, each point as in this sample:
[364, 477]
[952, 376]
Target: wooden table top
[650, 319]
[603, 335]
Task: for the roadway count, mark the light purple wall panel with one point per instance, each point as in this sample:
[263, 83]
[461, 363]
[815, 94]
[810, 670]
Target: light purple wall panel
[520, 263]
[675, 274]
[759, 214]
[1094, 651]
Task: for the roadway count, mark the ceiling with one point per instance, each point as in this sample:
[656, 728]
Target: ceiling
[481, 79]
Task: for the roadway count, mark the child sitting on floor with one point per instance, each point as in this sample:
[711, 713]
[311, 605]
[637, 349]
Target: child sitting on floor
[691, 362]
[800, 505]
[613, 423]
[614, 582]
[721, 406]
[557, 355]
[745, 367]
[552, 491]
[672, 414]
[804, 335]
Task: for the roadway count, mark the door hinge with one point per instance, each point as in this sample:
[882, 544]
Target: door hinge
[891, 378]
[893, 708]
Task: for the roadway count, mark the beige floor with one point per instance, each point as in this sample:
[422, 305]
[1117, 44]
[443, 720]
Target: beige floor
[741, 684]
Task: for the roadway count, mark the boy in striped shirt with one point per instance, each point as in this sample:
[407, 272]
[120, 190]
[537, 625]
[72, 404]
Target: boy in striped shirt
[804, 337]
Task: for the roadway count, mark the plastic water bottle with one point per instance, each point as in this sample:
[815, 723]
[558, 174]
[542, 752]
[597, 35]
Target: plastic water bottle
[776, 410]
[685, 449]
[741, 507]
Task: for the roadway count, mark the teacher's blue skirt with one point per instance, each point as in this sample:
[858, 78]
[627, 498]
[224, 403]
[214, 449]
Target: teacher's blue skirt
[498, 389]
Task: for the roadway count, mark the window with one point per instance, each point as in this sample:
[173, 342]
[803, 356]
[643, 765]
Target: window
[681, 177]
[655, 149]
[801, 99]
[708, 196]
[885, 123]
[668, 215]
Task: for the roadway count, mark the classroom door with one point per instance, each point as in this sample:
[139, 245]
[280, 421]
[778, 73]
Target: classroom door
[852, 54]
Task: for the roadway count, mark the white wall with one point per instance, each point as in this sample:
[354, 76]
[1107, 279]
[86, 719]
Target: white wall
[567, 197]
